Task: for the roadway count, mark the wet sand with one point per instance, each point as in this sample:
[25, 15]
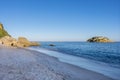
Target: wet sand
[23, 64]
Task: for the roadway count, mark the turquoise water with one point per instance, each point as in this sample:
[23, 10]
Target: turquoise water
[103, 52]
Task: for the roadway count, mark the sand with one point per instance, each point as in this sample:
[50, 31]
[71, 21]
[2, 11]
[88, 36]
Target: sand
[23, 64]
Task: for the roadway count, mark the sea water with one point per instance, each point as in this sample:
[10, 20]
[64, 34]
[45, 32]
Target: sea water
[99, 57]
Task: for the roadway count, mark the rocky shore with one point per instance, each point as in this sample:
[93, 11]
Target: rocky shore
[7, 40]
[21, 42]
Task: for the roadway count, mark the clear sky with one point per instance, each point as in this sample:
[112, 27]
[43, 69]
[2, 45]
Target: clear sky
[61, 20]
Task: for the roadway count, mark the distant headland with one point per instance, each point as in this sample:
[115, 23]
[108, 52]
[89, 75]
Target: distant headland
[7, 40]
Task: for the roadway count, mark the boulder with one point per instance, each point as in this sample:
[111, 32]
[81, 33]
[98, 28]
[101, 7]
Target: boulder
[99, 39]
[51, 45]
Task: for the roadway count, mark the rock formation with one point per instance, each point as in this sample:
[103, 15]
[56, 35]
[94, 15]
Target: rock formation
[99, 39]
[7, 40]
[21, 42]
[51, 45]
[26, 43]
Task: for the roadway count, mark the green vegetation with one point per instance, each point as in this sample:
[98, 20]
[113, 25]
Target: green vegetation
[2, 31]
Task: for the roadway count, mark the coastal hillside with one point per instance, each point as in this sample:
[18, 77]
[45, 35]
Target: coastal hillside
[7, 40]
[3, 32]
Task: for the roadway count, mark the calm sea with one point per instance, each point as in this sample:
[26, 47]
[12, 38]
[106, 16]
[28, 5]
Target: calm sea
[100, 57]
[104, 52]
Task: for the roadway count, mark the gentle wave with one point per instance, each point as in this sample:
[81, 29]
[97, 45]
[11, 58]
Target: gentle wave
[96, 66]
[103, 52]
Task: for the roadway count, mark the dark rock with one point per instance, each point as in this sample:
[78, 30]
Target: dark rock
[51, 45]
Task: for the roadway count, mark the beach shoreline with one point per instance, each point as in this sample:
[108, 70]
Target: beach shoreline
[92, 65]
[24, 64]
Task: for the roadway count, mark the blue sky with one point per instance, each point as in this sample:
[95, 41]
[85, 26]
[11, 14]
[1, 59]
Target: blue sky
[61, 20]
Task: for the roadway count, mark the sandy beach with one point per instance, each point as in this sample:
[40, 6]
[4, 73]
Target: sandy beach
[23, 64]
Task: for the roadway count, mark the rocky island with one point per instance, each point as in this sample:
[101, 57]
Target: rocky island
[8, 40]
[99, 39]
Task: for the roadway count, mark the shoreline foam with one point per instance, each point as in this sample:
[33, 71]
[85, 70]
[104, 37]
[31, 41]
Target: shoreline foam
[96, 66]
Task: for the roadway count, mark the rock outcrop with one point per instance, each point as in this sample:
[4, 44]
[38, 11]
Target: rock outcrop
[26, 43]
[21, 42]
[7, 40]
[34, 44]
[51, 45]
[99, 39]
